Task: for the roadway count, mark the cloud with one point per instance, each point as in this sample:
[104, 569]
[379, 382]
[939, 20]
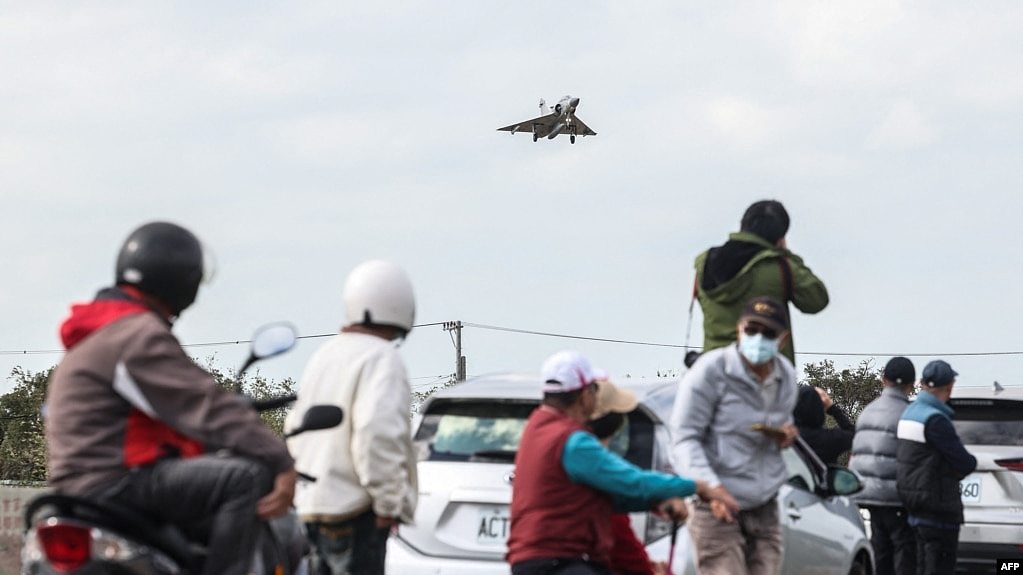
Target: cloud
[903, 127]
[743, 123]
[299, 139]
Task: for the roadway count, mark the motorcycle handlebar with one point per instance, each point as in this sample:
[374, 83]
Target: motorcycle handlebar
[273, 402]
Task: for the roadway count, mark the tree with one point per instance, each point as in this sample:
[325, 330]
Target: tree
[22, 442]
[420, 397]
[852, 388]
[257, 387]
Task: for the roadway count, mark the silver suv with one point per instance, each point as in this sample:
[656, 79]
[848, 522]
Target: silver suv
[467, 438]
[990, 424]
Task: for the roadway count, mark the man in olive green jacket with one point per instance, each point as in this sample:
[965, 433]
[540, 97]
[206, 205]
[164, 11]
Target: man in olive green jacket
[753, 262]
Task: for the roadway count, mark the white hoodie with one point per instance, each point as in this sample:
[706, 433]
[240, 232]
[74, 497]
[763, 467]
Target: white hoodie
[368, 461]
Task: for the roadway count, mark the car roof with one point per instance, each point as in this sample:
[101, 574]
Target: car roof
[1014, 392]
[529, 386]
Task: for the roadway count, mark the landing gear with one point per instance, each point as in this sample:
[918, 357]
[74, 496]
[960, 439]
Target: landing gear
[535, 136]
[571, 138]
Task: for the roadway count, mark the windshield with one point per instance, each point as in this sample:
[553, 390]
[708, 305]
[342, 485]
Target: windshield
[489, 430]
[460, 430]
[989, 422]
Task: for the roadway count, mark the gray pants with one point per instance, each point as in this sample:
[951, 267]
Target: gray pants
[751, 545]
[211, 498]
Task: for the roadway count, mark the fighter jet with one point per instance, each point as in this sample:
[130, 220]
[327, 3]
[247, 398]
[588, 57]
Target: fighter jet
[561, 120]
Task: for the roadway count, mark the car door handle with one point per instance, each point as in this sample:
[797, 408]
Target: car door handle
[794, 513]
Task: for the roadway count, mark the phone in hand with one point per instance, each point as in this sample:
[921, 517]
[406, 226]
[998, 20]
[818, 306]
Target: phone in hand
[776, 433]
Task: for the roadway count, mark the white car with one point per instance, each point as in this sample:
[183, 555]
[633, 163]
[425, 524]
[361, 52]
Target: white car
[468, 436]
[989, 422]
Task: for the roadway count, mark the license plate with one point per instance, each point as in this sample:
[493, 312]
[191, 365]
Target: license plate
[493, 525]
[969, 489]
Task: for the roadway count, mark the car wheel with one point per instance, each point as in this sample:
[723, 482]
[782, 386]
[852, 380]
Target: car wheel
[859, 567]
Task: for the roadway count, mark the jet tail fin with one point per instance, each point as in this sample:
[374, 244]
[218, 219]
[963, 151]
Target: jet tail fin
[544, 110]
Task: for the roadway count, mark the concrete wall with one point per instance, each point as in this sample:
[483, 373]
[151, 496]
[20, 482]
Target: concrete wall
[13, 501]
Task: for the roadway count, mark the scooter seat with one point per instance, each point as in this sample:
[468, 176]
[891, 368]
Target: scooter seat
[119, 519]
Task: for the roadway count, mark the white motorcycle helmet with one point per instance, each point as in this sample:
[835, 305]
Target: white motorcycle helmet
[379, 293]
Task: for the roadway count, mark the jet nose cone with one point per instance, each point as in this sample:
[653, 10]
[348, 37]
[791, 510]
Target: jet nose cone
[574, 102]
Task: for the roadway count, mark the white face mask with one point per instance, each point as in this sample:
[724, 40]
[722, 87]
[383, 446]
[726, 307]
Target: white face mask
[757, 349]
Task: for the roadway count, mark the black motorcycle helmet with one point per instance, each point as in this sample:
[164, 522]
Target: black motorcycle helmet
[163, 260]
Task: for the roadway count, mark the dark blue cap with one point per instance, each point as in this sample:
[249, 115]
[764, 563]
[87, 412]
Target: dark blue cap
[938, 373]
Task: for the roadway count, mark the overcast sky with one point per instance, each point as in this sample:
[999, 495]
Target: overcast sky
[298, 139]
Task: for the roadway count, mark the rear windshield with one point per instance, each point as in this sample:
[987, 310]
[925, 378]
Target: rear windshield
[462, 430]
[489, 431]
[989, 421]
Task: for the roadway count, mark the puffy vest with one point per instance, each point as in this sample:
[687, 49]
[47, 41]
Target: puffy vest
[874, 447]
[552, 517]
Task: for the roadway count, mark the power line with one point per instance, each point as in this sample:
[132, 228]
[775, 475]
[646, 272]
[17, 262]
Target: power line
[677, 346]
[578, 337]
[203, 344]
[568, 336]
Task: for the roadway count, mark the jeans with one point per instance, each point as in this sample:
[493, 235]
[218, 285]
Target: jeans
[936, 550]
[751, 545]
[353, 547]
[893, 540]
[559, 567]
[211, 498]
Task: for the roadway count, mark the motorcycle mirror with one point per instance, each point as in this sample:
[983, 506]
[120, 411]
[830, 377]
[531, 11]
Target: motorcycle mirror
[270, 340]
[273, 339]
[319, 417]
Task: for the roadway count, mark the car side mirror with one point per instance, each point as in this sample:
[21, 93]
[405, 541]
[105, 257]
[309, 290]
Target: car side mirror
[843, 481]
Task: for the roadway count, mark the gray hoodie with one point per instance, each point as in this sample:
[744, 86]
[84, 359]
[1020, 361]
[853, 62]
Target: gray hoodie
[718, 402]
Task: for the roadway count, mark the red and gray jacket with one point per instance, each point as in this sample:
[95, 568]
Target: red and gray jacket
[126, 395]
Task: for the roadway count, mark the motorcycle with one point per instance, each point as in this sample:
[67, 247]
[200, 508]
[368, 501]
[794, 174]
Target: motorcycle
[71, 535]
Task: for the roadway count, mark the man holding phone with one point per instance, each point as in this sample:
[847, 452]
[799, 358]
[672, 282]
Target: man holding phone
[732, 418]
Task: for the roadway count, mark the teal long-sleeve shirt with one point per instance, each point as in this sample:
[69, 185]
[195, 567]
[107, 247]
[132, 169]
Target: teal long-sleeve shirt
[631, 488]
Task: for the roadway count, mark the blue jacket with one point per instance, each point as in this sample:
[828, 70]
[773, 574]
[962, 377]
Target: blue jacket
[588, 462]
[931, 462]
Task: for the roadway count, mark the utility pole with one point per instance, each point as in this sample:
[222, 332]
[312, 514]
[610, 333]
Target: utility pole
[456, 327]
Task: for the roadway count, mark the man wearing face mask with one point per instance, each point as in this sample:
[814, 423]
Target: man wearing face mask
[732, 418]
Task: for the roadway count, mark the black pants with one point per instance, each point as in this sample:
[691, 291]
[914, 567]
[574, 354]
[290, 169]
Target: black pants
[893, 540]
[568, 566]
[936, 550]
[211, 498]
[353, 547]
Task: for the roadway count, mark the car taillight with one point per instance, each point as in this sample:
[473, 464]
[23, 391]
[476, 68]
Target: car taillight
[67, 547]
[1011, 464]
